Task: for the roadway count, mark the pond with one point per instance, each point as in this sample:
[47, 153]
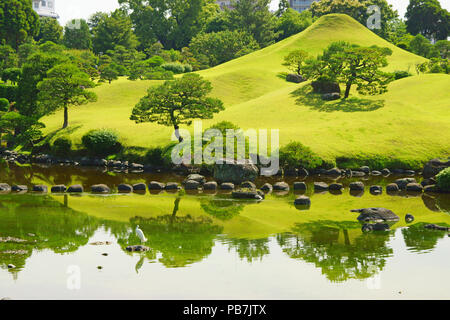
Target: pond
[209, 246]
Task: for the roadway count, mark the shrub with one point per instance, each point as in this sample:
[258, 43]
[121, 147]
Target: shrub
[443, 179]
[160, 156]
[155, 61]
[296, 155]
[101, 142]
[401, 74]
[9, 92]
[62, 146]
[174, 67]
[4, 105]
[188, 68]
[158, 74]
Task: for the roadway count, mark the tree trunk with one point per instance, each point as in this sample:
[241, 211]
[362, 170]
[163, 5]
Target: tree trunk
[66, 118]
[177, 133]
[347, 90]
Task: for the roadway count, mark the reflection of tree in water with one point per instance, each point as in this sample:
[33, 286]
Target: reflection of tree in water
[418, 239]
[329, 246]
[181, 240]
[251, 250]
[222, 209]
[44, 224]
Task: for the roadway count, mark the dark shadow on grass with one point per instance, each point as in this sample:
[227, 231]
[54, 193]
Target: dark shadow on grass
[305, 96]
[282, 75]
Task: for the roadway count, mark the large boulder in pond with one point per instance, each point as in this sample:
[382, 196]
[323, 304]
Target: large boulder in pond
[60, 188]
[232, 171]
[248, 194]
[100, 188]
[295, 78]
[196, 177]
[155, 185]
[40, 188]
[433, 167]
[124, 188]
[376, 215]
[77, 188]
[402, 183]
[4, 187]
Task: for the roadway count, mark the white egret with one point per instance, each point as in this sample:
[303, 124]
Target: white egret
[140, 234]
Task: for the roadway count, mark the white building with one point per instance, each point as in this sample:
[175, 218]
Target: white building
[300, 5]
[45, 8]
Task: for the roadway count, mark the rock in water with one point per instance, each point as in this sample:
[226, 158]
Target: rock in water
[376, 215]
[248, 194]
[433, 167]
[232, 171]
[137, 248]
[409, 218]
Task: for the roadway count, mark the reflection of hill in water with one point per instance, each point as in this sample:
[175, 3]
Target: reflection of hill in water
[44, 224]
[339, 249]
[419, 239]
[181, 240]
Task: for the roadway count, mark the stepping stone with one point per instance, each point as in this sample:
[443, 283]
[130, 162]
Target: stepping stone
[414, 187]
[376, 214]
[302, 201]
[40, 188]
[154, 185]
[139, 187]
[172, 186]
[356, 186]
[227, 186]
[59, 188]
[77, 188]
[211, 186]
[125, 188]
[281, 186]
[248, 185]
[336, 186]
[19, 188]
[267, 187]
[393, 187]
[376, 190]
[192, 185]
[100, 188]
[320, 186]
[300, 186]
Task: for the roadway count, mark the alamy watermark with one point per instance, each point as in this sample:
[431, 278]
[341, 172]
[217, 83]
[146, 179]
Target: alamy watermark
[374, 20]
[208, 147]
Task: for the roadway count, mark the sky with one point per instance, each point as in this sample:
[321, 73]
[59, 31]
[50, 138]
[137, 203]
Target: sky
[68, 10]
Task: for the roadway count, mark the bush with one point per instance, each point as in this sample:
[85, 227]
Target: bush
[174, 67]
[159, 74]
[9, 92]
[296, 155]
[101, 142]
[62, 146]
[160, 156]
[4, 105]
[187, 68]
[443, 180]
[401, 74]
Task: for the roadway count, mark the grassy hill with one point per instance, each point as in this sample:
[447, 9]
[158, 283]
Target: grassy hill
[411, 122]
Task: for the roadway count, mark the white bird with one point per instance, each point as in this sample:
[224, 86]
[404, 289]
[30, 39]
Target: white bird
[140, 234]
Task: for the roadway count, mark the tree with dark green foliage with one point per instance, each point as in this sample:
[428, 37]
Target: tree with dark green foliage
[295, 61]
[109, 72]
[422, 47]
[254, 17]
[291, 22]
[50, 30]
[18, 21]
[64, 86]
[11, 74]
[283, 6]
[428, 18]
[350, 65]
[34, 70]
[357, 9]
[174, 30]
[8, 58]
[112, 30]
[223, 46]
[443, 46]
[178, 102]
[77, 35]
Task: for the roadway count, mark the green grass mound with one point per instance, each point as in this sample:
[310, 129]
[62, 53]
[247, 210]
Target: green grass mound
[410, 122]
